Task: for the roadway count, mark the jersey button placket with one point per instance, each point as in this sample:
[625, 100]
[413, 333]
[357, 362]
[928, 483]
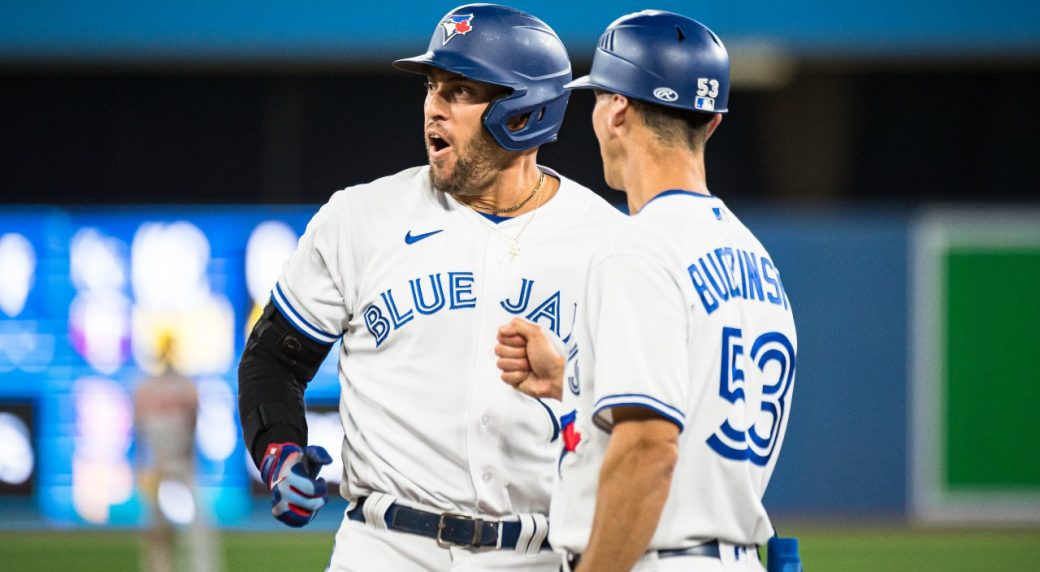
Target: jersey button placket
[482, 444]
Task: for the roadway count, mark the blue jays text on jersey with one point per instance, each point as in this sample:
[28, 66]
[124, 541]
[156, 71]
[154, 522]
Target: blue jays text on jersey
[417, 285]
[727, 273]
[454, 290]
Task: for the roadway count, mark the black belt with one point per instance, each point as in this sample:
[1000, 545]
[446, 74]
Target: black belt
[448, 528]
[709, 549]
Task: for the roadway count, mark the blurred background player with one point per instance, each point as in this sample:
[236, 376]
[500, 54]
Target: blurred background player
[682, 376]
[165, 412]
[444, 467]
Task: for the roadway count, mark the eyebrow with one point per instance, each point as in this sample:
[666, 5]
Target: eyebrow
[479, 87]
[454, 78]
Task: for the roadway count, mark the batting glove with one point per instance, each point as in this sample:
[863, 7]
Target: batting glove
[291, 474]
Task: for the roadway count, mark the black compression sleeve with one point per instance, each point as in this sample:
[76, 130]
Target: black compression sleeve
[277, 363]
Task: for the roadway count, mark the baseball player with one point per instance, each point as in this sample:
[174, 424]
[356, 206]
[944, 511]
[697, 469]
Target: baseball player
[445, 468]
[165, 409]
[680, 378]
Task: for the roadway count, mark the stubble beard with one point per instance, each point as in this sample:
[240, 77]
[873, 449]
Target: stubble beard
[475, 170]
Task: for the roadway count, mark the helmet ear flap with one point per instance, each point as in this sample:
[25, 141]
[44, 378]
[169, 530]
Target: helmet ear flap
[540, 124]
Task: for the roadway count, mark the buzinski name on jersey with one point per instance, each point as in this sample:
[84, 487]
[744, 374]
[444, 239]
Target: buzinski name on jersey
[728, 273]
[451, 291]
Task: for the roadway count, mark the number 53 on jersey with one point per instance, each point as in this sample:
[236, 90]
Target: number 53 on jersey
[756, 378]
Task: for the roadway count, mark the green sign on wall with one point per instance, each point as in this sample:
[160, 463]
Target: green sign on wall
[993, 368]
[975, 403]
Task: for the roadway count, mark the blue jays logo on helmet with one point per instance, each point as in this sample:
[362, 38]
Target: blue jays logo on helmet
[456, 24]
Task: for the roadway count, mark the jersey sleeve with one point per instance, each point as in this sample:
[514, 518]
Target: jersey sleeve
[310, 291]
[638, 322]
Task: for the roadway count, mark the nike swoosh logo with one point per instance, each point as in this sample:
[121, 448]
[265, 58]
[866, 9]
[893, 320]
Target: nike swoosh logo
[409, 239]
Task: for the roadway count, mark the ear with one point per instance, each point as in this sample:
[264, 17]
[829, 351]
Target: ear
[715, 121]
[618, 113]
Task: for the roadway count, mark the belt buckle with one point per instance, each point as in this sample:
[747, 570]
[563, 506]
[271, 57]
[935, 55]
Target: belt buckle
[478, 530]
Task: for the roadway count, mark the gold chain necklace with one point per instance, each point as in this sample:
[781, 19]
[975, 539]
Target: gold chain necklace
[538, 187]
[514, 241]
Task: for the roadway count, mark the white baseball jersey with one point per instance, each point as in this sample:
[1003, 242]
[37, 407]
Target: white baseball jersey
[417, 284]
[686, 315]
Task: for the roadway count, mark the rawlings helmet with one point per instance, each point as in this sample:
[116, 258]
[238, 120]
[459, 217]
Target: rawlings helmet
[506, 47]
[661, 58]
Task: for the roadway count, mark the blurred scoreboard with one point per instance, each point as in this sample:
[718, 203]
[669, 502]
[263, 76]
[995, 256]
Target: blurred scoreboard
[86, 298]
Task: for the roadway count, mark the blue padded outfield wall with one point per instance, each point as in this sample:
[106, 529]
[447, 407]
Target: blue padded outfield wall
[86, 292]
[151, 31]
[846, 446]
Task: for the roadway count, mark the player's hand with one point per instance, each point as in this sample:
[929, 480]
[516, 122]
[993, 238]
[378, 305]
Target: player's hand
[528, 361]
[291, 474]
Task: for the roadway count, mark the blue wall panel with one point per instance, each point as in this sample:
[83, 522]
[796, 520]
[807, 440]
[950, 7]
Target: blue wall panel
[846, 275]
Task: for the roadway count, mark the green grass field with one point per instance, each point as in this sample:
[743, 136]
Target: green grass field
[823, 548]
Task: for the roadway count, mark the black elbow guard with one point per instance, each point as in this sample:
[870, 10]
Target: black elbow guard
[277, 363]
[274, 336]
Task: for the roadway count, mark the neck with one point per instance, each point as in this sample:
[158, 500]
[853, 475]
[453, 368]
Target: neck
[512, 186]
[651, 169]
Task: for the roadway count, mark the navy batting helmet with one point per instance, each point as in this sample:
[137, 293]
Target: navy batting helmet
[504, 46]
[661, 58]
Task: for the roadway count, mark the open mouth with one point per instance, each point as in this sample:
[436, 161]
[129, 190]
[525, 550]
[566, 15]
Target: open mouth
[438, 145]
